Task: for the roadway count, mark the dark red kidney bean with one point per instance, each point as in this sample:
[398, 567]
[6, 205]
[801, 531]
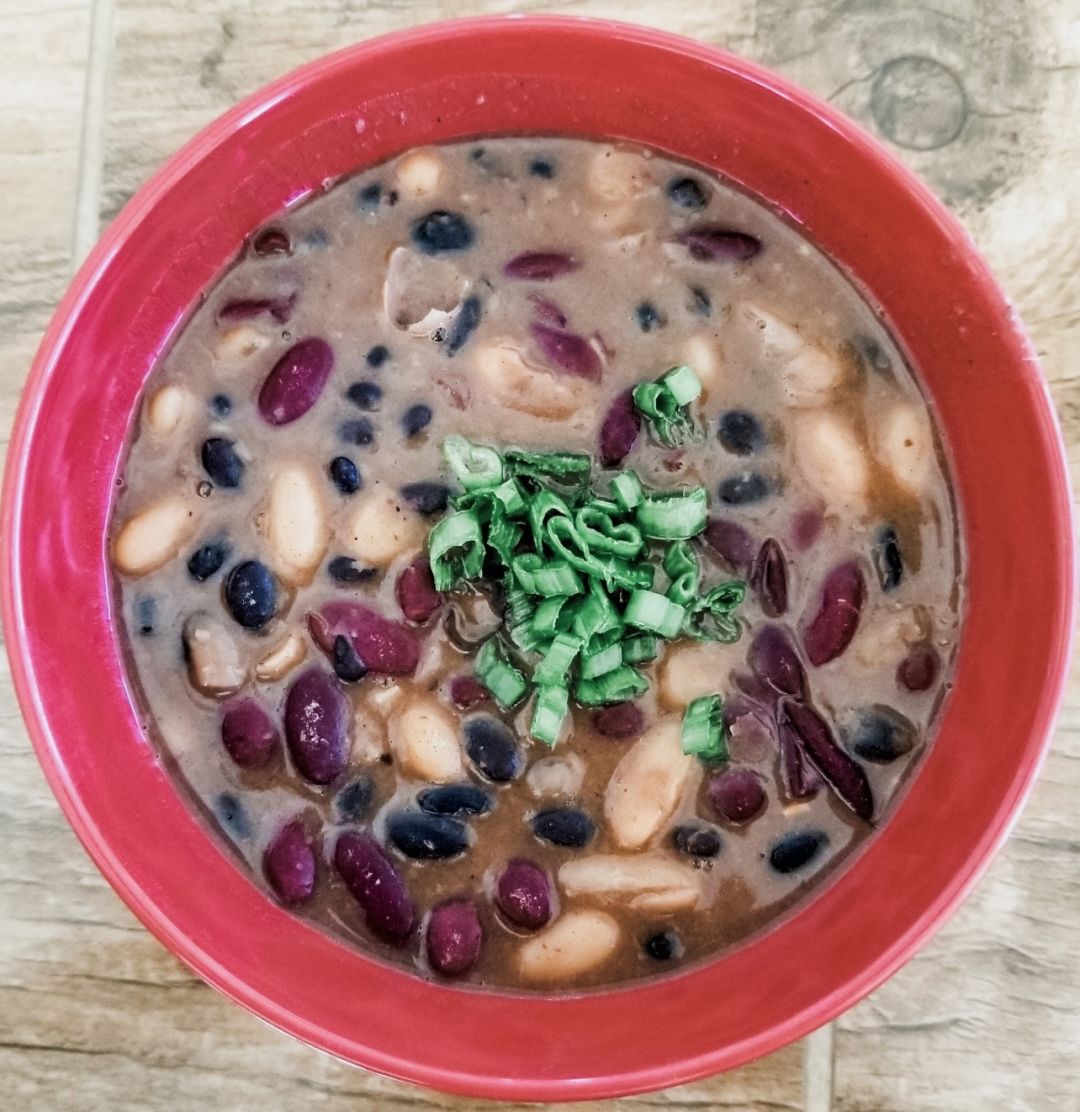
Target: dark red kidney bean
[919, 669]
[524, 894]
[271, 241]
[567, 351]
[289, 864]
[540, 266]
[774, 658]
[619, 432]
[620, 721]
[454, 938]
[415, 591]
[467, 692]
[796, 850]
[801, 779]
[830, 630]
[427, 837]
[317, 726]
[248, 734]
[546, 311]
[380, 644]
[754, 688]
[881, 734]
[737, 795]
[297, 379]
[710, 244]
[730, 541]
[806, 527]
[846, 775]
[376, 885]
[769, 578]
[280, 308]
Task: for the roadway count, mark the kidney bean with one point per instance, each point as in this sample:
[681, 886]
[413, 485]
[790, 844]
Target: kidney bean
[381, 645]
[280, 308]
[352, 803]
[687, 193]
[619, 432]
[440, 232]
[289, 864]
[918, 670]
[769, 578]
[415, 591]
[830, 630]
[888, 559]
[774, 659]
[523, 894]
[454, 938]
[248, 734]
[621, 721]
[540, 266]
[467, 692]
[709, 244]
[547, 311]
[737, 794]
[317, 726]
[806, 527]
[567, 351]
[271, 241]
[376, 885]
[801, 779]
[297, 379]
[730, 541]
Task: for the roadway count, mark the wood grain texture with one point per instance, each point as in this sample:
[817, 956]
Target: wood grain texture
[981, 99]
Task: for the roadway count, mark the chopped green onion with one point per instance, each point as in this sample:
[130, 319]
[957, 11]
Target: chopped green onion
[618, 574]
[595, 614]
[561, 653]
[602, 536]
[456, 549]
[549, 713]
[681, 567]
[528, 639]
[652, 612]
[546, 579]
[709, 618]
[571, 467]
[682, 383]
[703, 730]
[639, 649]
[626, 487]
[675, 516]
[519, 606]
[605, 506]
[549, 618]
[616, 686]
[562, 536]
[545, 505]
[602, 661]
[503, 537]
[506, 684]
[474, 466]
[665, 404]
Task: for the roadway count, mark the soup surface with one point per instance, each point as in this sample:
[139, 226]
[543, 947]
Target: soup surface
[695, 550]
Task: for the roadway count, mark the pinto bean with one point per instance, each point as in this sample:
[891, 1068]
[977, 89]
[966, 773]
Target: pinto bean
[168, 408]
[282, 658]
[831, 459]
[420, 174]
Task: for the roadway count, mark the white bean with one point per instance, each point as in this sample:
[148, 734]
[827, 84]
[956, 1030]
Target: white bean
[153, 536]
[296, 524]
[902, 442]
[884, 637]
[557, 776]
[168, 408]
[649, 881]
[282, 658]
[811, 377]
[416, 287]
[215, 666]
[831, 459]
[420, 174]
[779, 340]
[240, 342]
[381, 529]
[575, 943]
[369, 736]
[382, 694]
[502, 371]
[424, 740]
[691, 669]
[702, 352]
[617, 175]
[647, 785]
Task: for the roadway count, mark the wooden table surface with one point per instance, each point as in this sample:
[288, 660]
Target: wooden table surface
[982, 98]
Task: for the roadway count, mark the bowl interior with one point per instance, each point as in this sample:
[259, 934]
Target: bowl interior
[585, 79]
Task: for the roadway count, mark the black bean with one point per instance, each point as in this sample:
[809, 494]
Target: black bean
[464, 325]
[221, 405]
[663, 946]
[377, 356]
[454, 799]
[426, 498]
[796, 850]
[251, 594]
[542, 168]
[365, 394]
[696, 841]
[230, 810]
[648, 317]
[491, 746]
[352, 803]
[370, 197]
[873, 354]
[740, 432]
[146, 615]
[440, 231]
[358, 431]
[222, 464]
[687, 193]
[888, 559]
[207, 560]
[426, 837]
[700, 302]
[348, 667]
[881, 734]
[415, 419]
[564, 826]
[345, 474]
[744, 489]
[316, 239]
[345, 570]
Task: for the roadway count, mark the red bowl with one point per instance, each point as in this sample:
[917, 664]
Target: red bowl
[853, 199]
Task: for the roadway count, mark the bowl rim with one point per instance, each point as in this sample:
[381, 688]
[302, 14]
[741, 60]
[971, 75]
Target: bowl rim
[18, 570]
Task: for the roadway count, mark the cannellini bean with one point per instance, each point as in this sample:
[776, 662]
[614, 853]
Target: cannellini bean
[415, 287]
[383, 694]
[381, 529]
[703, 353]
[902, 442]
[650, 881]
[424, 740]
[420, 174]
[370, 739]
[615, 175]
[215, 666]
[811, 377]
[647, 785]
[695, 668]
[884, 637]
[240, 342]
[296, 524]
[501, 369]
[167, 409]
[830, 458]
[153, 536]
[282, 658]
[556, 776]
[575, 943]
[779, 340]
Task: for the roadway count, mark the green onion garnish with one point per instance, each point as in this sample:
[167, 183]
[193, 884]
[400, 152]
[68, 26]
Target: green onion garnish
[703, 730]
[549, 713]
[555, 666]
[617, 686]
[506, 684]
[710, 619]
[681, 567]
[456, 549]
[674, 517]
[665, 403]
[640, 649]
[601, 661]
[601, 535]
[473, 465]
[626, 487]
[550, 618]
[655, 614]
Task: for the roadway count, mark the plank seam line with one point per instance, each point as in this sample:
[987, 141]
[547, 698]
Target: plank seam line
[818, 1068]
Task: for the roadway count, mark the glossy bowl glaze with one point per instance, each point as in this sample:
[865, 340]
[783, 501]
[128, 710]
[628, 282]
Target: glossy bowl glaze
[854, 200]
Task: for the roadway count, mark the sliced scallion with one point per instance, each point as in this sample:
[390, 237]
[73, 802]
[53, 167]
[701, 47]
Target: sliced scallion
[600, 662]
[682, 383]
[675, 516]
[617, 686]
[640, 649]
[473, 465]
[703, 731]
[654, 613]
[710, 617]
[506, 684]
[549, 713]
[681, 568]
[456, 549]
[594, 614]
[561, 653]
[626, 487]
[602, 536]
[549, 618]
